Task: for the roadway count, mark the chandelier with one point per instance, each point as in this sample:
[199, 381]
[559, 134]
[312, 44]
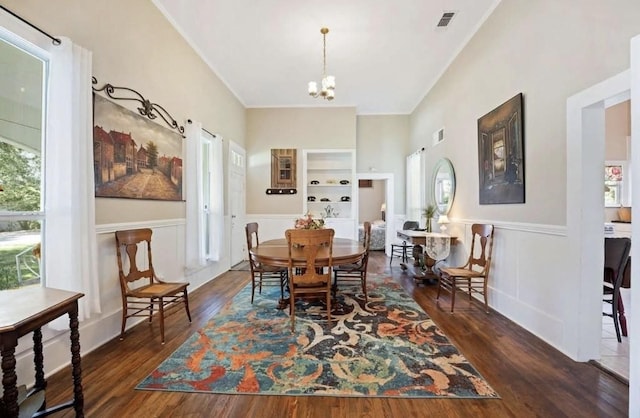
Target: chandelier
[328, 81]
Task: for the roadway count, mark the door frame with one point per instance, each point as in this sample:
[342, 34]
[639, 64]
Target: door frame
[236, 219]
[389, 200]
[585, 217]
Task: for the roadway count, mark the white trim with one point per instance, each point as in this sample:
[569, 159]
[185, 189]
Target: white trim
[634, 326]
[164, 223]
[556, 230]
[585, 214]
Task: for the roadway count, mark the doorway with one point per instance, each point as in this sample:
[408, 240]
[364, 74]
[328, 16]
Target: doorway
[614, 355]
[585, 232]
[389, 196]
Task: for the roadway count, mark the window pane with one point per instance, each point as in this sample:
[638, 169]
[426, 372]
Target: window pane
[19, 179]
[19, 253]
[21, 114]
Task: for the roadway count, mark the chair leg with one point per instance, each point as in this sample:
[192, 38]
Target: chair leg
[292, 309]
[621, 317]
[185, 296]
[486, 299]
[364, 288]
[253, 286]
[614, 306]
[454, 286]
[124, 321]
[150, 310]
[329, 308]
[161, 307]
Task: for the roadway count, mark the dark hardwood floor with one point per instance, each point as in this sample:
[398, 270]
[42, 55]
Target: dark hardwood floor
[532, 378]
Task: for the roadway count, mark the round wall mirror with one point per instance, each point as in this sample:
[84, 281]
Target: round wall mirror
[443, 185]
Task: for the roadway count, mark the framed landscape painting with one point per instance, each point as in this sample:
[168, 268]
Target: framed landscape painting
[133, 157]
[501, 154]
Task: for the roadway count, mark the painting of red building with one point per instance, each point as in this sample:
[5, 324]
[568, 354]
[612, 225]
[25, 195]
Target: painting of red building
[134, 157]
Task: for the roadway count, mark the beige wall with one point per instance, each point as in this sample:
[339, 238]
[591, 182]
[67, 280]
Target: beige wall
[300, 128]
[382, 147]
[370, 200]
[134, 46]
[617, 129]
[546, 49]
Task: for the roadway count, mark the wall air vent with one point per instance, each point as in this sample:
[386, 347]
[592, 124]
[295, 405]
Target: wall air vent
[438, 136]
[445, 19]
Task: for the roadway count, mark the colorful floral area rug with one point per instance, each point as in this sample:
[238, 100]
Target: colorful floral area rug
[386, 348]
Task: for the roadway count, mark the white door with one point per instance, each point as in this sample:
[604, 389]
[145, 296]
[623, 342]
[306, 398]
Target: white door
[237, 195]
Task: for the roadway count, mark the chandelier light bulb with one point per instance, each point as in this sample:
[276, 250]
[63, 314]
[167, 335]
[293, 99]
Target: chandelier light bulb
[313, 88]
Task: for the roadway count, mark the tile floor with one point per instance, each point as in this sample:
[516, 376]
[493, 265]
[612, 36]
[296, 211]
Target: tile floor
[614, 355]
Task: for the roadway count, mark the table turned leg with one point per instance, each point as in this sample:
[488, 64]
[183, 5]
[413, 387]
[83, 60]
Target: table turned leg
[9, 404]
[78, 398]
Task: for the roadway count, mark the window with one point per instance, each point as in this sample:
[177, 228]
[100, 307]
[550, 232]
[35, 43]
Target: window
[617, 190]
[21, 168]
[205, 208]
[415, 186]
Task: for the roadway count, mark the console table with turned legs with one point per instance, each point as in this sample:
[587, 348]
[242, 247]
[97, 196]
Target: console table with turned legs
[23, 311]
[436, 248]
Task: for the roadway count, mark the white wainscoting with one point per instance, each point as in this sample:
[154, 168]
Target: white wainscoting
[168, 247]
[529, 281]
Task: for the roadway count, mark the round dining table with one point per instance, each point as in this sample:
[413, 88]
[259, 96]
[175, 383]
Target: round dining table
[275, 252]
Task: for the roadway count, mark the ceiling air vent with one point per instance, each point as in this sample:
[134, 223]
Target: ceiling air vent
[445, 19]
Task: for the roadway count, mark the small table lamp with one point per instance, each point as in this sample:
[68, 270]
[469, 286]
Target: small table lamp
[443, 220]
[383, 209]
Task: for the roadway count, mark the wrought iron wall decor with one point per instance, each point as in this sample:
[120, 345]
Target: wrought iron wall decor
[148, 109]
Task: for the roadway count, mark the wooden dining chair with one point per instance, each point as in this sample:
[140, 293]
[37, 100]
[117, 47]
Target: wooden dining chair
[262, 274]
[313, 278]
[400, 249]
[356, 271]
[143, 293]
[473, 276]
[616, 257]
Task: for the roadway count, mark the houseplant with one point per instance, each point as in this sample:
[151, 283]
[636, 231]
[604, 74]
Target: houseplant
[429, 213]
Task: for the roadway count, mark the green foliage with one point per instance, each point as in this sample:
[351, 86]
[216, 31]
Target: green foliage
[429, 212]
[152, 154]
[8, 268]
[20, 179]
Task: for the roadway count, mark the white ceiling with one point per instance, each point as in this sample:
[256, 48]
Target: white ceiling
[385, 55]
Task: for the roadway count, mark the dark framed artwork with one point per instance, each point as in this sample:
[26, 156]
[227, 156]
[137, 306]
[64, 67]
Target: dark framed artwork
[501, 154]
[134, 157]
[364, 183]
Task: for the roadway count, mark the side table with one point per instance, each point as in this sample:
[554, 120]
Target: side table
[23, 311]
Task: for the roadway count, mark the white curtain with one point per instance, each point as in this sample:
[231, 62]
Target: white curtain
[193, 179]
[415, 186]
[217, 199]
[69, 229]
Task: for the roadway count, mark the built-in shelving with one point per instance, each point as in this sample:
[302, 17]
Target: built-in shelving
[331, 175]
